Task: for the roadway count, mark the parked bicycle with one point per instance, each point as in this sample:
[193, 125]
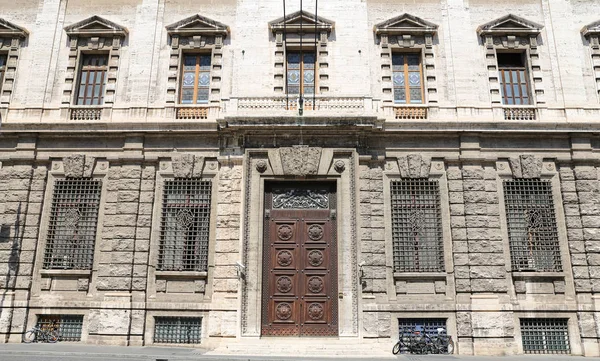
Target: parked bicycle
[48, 333]
[419, 342]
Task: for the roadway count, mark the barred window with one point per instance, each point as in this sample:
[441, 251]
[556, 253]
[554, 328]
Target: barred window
[416, 226]
[69, 326]
[429, 326]
[3, 60]
[177, 329]
[185, 225]
[531, 223]
[545, 335]
[73, 222]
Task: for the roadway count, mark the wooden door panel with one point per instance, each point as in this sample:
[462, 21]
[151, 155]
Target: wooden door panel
[300, 278]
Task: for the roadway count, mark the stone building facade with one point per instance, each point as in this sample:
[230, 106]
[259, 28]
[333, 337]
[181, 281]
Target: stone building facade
[442, 168]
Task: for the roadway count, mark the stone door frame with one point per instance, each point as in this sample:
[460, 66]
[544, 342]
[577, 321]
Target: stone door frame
[299, 163]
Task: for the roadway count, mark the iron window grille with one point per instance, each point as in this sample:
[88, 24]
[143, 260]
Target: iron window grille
[531, 220]
[177, 330]
[429, 326]
[73, 222]
[416, 226]
[545, 335]
[185, 225]
[69, 326]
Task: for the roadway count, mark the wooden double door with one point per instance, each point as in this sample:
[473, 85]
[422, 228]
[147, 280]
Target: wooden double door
[300, 260]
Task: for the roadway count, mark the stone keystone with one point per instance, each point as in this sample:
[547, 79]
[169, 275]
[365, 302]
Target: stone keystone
[78, 165]
[300, 161]
[414, 166]
[526, 166]
[187, 165]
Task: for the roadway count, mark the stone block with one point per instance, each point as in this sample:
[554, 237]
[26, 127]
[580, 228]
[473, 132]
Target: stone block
[489, 285]
[487, 272]
[222, 324]
[108, 321]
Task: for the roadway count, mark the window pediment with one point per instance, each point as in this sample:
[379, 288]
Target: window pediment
[10, 30]
[509, 25]
[591, 29]
[406, 24]
[197, 25]
[301, 19]
[95, 26]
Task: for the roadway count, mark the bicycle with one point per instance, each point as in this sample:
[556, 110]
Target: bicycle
[37, 334]
[420, 342]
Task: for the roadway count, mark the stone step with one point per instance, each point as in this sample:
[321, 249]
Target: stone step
[305, 347]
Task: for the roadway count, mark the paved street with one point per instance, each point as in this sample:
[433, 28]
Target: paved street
[65, 352]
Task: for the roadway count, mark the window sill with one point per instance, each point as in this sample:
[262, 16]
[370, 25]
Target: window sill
[181, 274]
[65, 272]
[538, 275]
[420, 276]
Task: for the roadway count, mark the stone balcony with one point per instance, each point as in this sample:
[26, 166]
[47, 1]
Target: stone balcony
[319, 111]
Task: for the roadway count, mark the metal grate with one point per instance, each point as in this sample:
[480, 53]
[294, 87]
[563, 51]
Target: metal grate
[416, 226]
[73, 222]
[429, 326]
[185, 226]
[69, 326]
[531, 226]
[177, 329]
[545, 335]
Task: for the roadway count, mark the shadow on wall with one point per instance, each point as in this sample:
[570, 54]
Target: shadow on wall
[13, 264]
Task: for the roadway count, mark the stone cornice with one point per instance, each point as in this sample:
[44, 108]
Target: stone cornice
[591, 29]
[10, 30]
[292, 23]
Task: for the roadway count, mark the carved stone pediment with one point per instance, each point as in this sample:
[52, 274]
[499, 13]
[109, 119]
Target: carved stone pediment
[591, 29]
[300, 161]
[526, 166]
[197, 25]
[78, 166]
[406, 24]
[510, 25]
[10, 30]
[96, 26]
[187, 165]
[292, 23]
[414, 166]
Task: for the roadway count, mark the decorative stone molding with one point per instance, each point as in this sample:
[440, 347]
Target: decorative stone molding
[511, 32]
[196, 34]
[526, 166]
[339, 166]
[78, 166]
[94, 34]
[592, 33]
[12, 37]
[414, 166]
[406, 32]
[261, 166]
[187, 165]
[293, 33]
[300, 160]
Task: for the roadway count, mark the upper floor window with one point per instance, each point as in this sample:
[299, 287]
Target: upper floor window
[195, 85]
[416, 226]
[73, 222]
[531, 222]
[2, 67]
[301, 72]
[407, 78]
[12, 37]
[514, 79]
[92, 79]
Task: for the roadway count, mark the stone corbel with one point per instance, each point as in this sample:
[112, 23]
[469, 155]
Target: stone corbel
[406, 41]
[414, 166]
[279, 38]
[489, 41]
[187, 165]
[384, 40]
[78, 166]
[526, 166]
[533, 42]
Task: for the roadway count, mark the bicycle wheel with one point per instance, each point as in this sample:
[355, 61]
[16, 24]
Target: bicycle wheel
[29, 336]
[52, 336]
[397, 348]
